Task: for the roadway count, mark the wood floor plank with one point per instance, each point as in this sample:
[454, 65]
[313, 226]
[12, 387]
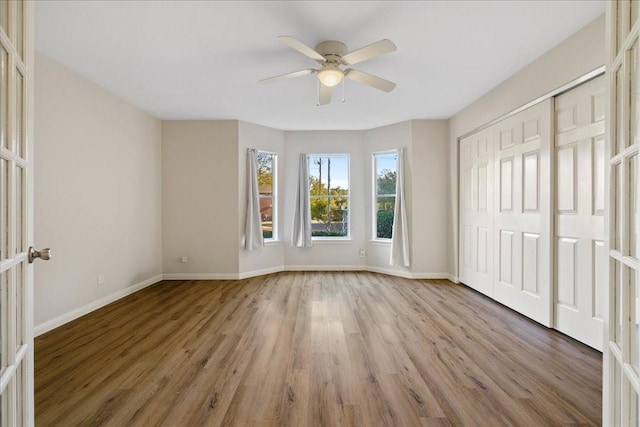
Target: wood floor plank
[312, 348]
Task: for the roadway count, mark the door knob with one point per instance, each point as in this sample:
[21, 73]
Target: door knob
[43, 254]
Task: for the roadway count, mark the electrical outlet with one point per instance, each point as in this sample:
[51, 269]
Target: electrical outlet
[184, 259]
[363, 253]
[100, 280]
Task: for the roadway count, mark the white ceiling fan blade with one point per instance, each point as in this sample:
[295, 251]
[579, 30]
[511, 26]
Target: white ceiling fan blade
[370, 80]
[368, 52]
[288, 75]
[324, 95]
[302, 48]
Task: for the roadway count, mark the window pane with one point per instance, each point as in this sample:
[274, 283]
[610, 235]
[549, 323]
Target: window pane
[328, 173]
[329, 216]
[385, 168]
[266, 187]
[266, 214]
[384, 216]
[329, 190]
[386, 173]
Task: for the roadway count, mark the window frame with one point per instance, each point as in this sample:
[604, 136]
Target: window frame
[348, 196]
[374, 213]
[273, 197]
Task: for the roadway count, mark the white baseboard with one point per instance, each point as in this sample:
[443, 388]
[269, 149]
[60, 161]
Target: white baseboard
[262, 272]
[88, 308]
[271, 270]
[325, 268]
[390, 272]
[200, 276]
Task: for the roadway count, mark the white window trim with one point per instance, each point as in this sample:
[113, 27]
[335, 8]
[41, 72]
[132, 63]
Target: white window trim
[335, 239]
[274, 199]
[374, 198]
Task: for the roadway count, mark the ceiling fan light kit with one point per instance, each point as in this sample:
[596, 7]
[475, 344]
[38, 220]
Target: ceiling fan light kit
[330, 75]
[332, 55]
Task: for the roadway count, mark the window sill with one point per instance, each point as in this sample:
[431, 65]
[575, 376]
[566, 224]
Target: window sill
[272, 242]
[329, 241]
[380, 242]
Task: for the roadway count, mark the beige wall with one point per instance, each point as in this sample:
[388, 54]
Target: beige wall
[271, 257]
[97, 195]
[574, 57]
[382, 139]
[431, 222]
[200, 198]
[327, 255]
[427, 188]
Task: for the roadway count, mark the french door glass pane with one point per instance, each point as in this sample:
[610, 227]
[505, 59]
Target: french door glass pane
[4, 406]
[4, 326]
[620, 127]
[20, 237]
[623, 27]
[634, 13]
[634, 93]
[616, 208]
[633, 407]
[19, 301]
[4, 96]
[4, 16]
[4, 212]
[19, 147]
[634, 312]
[617, 317]
[634, 204]
[19, 27]
[617, 394]
[20, 396]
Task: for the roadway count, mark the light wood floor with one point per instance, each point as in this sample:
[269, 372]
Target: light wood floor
[296, 349]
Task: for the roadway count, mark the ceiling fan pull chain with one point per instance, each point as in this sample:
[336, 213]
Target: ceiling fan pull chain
[343, 90]
[318, 94]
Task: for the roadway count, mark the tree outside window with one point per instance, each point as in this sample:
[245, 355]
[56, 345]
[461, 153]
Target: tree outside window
[329, 195]
[266, 187]
[385, 166]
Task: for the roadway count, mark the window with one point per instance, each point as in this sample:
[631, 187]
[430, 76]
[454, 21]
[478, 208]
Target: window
[385, 167]
[267, 189]
[329, 195]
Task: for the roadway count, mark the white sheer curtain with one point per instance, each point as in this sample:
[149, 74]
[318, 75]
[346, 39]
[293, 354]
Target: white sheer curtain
[301, 236]
[400, 238]
[253, 225]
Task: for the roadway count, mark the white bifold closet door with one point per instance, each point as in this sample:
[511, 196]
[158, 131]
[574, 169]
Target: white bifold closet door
[580, 300]
[476, 212]
[522, 218]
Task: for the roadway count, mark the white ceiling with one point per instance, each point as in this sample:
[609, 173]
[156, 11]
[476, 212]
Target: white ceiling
[203, 60]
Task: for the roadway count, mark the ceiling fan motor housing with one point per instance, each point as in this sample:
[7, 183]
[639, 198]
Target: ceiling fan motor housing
[332, 50]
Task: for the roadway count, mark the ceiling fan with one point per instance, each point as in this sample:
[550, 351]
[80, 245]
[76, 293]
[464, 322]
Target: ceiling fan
[332, 56]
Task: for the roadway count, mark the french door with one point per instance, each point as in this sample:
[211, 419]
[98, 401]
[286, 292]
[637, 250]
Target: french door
[16, 215]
